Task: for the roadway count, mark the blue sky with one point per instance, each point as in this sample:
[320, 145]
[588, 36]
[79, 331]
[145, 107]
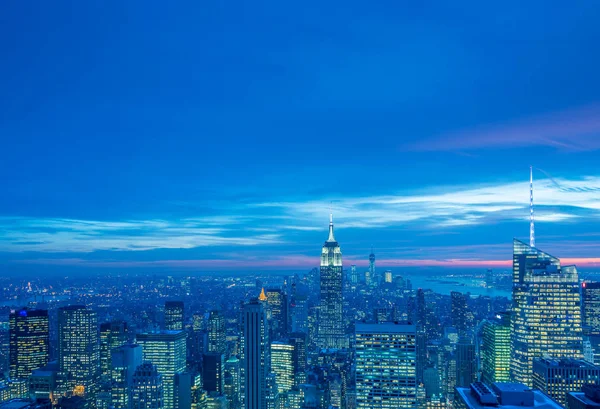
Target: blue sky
[218, 135]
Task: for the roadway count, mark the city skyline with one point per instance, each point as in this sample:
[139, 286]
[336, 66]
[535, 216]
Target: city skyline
[415, 126]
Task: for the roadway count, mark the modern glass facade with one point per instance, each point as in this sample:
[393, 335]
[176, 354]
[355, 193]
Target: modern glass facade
[282, 365]
[216, 332]
[590, 294]
[28, 342]
[166, 350]
[124, 361]
[147, 390]
[385, 366]
[278, 315]
[112, 335]
[495, 350]
[546, 310]
[256, 365]
[331, 318]
[557, 377]
[78, 351]
[174, 315]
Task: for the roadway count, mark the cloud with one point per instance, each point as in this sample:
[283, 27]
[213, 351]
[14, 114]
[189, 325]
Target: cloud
[556, 200]
[83, 236]
[573, 130]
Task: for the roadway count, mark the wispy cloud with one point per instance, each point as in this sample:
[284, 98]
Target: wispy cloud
[576, 130]
[82, 236]
[557, 200]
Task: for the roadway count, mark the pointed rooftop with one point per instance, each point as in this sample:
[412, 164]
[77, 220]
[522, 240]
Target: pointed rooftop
[331, 238]
[262, 296]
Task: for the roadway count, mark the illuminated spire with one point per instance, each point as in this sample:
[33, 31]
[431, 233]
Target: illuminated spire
[331, 238]
[262, 296]
[531, 225]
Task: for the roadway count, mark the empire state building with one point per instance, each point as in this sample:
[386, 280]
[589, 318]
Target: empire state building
[331, 319]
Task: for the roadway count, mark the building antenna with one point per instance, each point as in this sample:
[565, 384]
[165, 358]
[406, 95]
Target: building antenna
[531, 224]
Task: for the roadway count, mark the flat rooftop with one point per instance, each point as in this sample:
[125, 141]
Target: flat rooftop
[541, 401]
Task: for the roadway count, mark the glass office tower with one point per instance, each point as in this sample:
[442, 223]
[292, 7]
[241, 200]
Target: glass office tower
[28, 342]
[546, 310]
[385, 366]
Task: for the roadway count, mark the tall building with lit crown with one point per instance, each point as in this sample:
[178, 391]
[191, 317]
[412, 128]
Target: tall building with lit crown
[282, 365]
[174, 315]
[385, 366]
[166, 350]
[331, 318]
[147, 391]
[546, 310]
[78, 351]
[256, 355]
[216, 332]
[495, 350]
[28, 342]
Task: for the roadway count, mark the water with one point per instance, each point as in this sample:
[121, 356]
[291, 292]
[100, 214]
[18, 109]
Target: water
[464, 284]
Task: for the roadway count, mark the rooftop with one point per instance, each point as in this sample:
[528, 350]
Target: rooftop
[540, 401]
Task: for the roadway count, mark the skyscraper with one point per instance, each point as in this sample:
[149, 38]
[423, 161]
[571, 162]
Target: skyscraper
[147, 392]
[420, 322]
[112, 335]
[385, 366]
[277, 305]
[174, 315]
[28, 342]
[331, 318]
[256, 365]
[78, 351]
[282, 365]
[459, 312]
[590, 293]
[374, 280]
[557, 377]
[466, 364]
[546, 310]
[495, 350]
[353, 275]
[213, 372]
[216, 332]
[124, 361]
[232, 382]
[166, 350]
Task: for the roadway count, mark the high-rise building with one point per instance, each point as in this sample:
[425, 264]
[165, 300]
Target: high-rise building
[557, 377]
[277, 309]
[298, 340]
[546, 317]
[373, 281]
[299, 309]
[124, 361]
[590, 299]
[459, 312]
[282, 365]
[232, 382]
[387, 277]
[420, 321]
[495, 350]
[112, 335]
[466, 364]
[78, 351]
[213, 372]
[385, 366]
[166, 350]
[216, 332]
[353, 275]
[331, 318]
[256, 365]
[174, 315]
[147, 391]
[28, 342]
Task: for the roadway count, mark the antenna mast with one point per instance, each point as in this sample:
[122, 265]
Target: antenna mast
[531, 224]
